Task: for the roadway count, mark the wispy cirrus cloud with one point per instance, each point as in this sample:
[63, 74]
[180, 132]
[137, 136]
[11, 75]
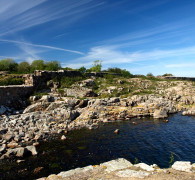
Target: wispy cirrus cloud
[164, 31]
[41, 46]
[21, 14]
[109, 55]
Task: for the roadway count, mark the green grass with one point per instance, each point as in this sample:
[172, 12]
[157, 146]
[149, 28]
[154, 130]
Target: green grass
[40, 94]
[66, 82]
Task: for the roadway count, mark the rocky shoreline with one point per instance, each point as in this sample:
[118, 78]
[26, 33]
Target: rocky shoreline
[49, 116]
[123, 169]
[57, 114]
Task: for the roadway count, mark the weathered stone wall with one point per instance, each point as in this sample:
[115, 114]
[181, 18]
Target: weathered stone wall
[181, 78]
[39, 78]
[13, 96]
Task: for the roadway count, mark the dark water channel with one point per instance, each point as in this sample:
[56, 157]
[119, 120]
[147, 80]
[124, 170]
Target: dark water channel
[150, 141]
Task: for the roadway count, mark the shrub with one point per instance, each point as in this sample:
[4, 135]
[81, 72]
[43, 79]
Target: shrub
[167, 74]
[8, 65]
[122, 72]
[97, 66]
[11, 81]
[24, 67]
[37, 65]
[150, 75]
[52, 66]
[66, 82]
[82, 69]
[126, 74]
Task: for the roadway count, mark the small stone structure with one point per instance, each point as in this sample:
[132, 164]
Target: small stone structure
[13, 96]
[39, 79]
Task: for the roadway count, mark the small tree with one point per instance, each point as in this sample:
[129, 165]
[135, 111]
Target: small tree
[126, 73]
[82, 69]
[8, 65]
[114, 70]
[167, 74]
[24, 67]
[150, 75]
[97, 66]
[52, 66]
[37, 65]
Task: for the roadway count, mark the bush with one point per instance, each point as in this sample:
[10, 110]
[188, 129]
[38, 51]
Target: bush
[66, 82]
[122, 72]
[37, 65]
[24, 67]
[167, 74]
[97, 66]
[126, 74]
[114, 70]
[8, 65]
[82, 69]
[150, 75]
[52, 66]
[11, 81]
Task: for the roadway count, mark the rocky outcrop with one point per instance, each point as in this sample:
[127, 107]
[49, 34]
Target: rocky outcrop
[190, 112]
[79, 92]
[20, 152]
[48, 116]
[123, 169]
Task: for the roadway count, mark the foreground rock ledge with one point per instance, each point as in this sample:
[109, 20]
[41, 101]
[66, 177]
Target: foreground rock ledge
[123, 169]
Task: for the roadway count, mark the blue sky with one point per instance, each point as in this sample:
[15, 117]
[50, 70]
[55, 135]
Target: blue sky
[141, 36]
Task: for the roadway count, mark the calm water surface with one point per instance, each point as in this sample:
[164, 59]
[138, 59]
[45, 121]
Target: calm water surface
[150, 141]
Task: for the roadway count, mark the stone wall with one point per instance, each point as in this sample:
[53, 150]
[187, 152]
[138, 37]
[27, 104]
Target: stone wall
[181, 78]
[39, 78]
[14, 96]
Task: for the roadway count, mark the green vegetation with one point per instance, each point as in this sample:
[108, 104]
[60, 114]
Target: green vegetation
[120, 72]
[8, 65]
[97, 66]
[24, 67]
[66, 82]
[82, 69]
[167, 74]
[150, 75]
[171, 159]
[136, 161]
[11, 81]
[11, 66]
[40, 94]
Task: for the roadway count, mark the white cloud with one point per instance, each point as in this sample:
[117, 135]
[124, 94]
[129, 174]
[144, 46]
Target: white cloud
[21, 14]
[180, 65]
[41, 46]
[110, 55]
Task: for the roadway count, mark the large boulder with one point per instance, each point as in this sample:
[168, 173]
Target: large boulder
[79, 92]
[182, 166]
[160, 113]
[32, 149]
[19, 152]
[127, 173]
[40, 106]
[87, 82]
[115, 165]
[144, 167]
